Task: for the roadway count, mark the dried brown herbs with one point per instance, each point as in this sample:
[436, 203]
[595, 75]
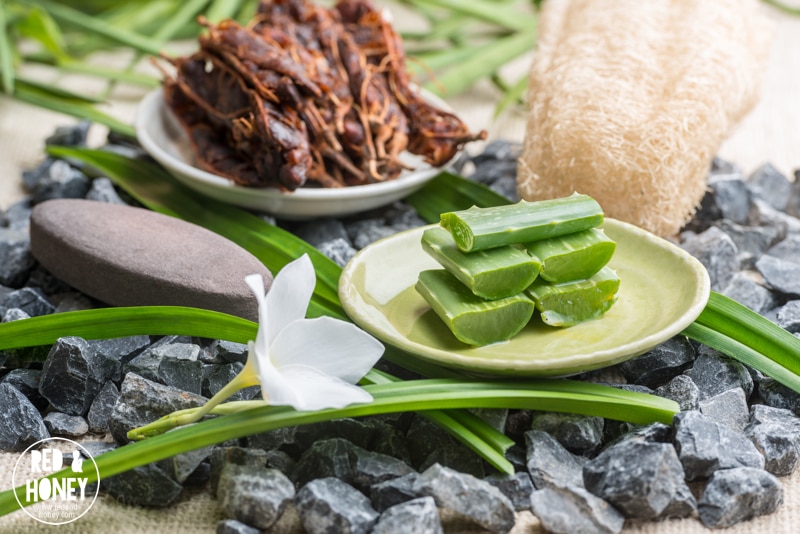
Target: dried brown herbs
[307, 96]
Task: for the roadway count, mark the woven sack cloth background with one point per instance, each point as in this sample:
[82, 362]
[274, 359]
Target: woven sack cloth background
[771, 133]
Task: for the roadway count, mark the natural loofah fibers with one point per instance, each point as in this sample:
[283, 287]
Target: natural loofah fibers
[630, 100]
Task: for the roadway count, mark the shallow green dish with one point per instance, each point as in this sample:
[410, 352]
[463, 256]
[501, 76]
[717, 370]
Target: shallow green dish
[663, 289]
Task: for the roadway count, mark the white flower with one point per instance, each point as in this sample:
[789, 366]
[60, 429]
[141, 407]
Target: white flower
[309, 364]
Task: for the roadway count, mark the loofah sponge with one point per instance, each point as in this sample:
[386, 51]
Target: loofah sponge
[629, 101]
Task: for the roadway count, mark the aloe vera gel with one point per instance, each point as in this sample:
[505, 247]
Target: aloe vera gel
[490, 274]
[523, 222]
[573, 256]
[472, 319]
[577, 301]
[502, 263]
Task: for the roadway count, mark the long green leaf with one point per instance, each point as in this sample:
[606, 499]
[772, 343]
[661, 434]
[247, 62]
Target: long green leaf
[491, 12]
[743, 334]
[467, 427]
[168, 28]
[33, 95]
[6, 55]
[427, 63]
[104, 323]
[418, 365]
[448, 27]
[743, 353]
[55, 92]
[784, 7]
[450, 192]
[223, 9]
[96, 26]
[483, 63]
[184, 16]
[467, 435]
[40, 26]
[142, 17]
[246, 11]
[515, 93]
[487, 434]
[77, 66]
[732, 319]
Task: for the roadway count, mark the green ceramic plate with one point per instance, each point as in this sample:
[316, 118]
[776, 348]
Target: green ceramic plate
[662, 290]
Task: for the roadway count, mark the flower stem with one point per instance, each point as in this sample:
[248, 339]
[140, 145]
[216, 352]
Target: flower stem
[192, 415]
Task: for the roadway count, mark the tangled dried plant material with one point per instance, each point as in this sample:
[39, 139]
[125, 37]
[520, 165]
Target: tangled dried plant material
[233, 129]
[629, 101]
[307, 96]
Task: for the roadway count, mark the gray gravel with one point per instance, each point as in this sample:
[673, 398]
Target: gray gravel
[573, 509]
[330, 505]
[642, 480]
[420, 516]
[738, 494]
[256, 496]
[21, 424]
[550, 464]
[705, 446]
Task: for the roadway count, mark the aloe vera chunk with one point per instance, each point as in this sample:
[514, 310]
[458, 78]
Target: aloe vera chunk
[490, 274]
[574, 256]
[571, 303]
[484, 228]
[473, 320]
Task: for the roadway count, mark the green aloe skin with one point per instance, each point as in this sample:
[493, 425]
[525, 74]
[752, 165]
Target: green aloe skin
[473, 320]
[573, 257]
[480, 229]
[575, 302]
[490, 274]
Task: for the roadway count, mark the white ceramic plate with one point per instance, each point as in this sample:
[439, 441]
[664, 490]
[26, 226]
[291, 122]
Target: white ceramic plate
[164, 139]
[662, 290]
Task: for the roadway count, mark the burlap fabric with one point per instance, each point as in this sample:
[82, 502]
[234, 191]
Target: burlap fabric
[770, 133]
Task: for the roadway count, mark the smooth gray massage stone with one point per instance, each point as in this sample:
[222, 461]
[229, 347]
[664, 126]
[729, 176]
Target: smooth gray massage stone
[126, 256]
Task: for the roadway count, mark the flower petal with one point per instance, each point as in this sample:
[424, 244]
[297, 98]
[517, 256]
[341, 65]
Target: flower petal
[256, 285]
[317, 391]
[250, 373]
[288, 298]
[333, 347]
[274, 387]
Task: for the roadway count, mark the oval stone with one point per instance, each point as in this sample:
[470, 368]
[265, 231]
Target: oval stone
[126, 256]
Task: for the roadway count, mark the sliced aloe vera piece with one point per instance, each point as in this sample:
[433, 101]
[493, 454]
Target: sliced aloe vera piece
[573, 256]
[575, 302]
[473, 320]
[490, 274]
[484, 228]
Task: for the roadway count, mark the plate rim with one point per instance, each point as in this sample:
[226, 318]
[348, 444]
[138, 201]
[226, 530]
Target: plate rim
[575, 363]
